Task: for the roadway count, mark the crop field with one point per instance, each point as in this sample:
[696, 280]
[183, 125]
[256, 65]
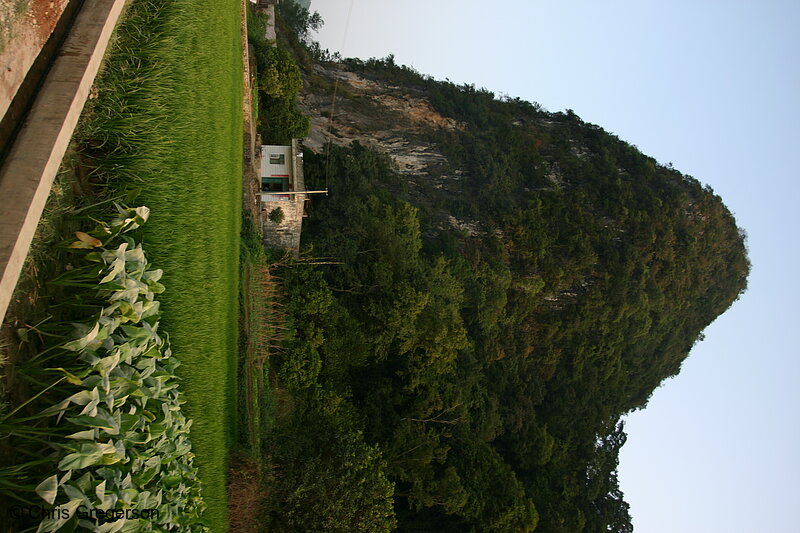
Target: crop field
[165, 126]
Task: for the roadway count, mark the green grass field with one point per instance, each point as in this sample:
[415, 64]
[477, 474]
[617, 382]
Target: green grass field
[167, 124]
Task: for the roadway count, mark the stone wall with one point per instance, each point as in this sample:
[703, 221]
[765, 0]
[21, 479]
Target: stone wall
[286, 235]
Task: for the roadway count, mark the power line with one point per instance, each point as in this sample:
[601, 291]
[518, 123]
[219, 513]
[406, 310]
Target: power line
[333, 100]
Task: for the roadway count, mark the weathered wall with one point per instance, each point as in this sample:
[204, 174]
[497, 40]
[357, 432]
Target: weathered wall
[22, 36]
[286, 234]
[32, 162]
[270, 34]
[392, 120]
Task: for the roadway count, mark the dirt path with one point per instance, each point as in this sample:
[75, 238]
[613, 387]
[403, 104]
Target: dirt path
[250, 181]
[245, 494]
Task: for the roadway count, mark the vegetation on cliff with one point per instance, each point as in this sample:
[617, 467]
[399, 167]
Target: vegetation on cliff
[481, 342]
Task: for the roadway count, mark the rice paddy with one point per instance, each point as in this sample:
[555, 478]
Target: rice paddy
[163, 128]
[166, 126]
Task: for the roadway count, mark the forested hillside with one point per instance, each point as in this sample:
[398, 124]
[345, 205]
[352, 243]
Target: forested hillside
[472, 331]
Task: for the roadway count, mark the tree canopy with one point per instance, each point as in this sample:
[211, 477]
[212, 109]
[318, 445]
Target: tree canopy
[486, 371]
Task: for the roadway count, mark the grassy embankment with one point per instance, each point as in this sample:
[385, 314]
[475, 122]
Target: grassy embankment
[261, 329]
[276, 82]
[258, 307]
[168, 120]
[262, 326]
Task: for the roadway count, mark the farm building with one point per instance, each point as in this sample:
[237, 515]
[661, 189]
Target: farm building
[265, 6]
[283, 196]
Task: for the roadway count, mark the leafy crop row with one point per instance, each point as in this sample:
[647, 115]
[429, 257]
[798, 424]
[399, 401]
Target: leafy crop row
[120, 440]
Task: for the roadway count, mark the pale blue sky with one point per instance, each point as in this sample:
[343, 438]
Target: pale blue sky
[712, 87]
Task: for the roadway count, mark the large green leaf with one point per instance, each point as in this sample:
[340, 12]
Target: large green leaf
[62, 514]
[86, 338]
[48, 489]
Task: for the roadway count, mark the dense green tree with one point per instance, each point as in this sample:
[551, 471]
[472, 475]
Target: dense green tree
[490, 368]
[327, 480]
[280, 75]
[299, 20]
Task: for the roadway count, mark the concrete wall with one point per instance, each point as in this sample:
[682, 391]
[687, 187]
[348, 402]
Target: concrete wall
[270, 35]
[269, 169]
[285, 235]
[28, 34]
[27, 172]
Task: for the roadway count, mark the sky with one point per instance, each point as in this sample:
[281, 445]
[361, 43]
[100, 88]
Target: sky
[714, 88]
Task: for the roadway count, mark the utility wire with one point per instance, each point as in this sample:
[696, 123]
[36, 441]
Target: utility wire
[333, 100]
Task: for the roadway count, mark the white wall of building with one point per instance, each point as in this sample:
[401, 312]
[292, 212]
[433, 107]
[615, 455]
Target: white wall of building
[276, 161]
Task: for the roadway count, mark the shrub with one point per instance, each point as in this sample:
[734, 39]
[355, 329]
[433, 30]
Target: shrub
[276, 215]
[283, 121]
[280, 76]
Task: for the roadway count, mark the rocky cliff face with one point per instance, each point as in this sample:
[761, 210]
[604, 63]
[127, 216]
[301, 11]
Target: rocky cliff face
[389, 119]
[383, 117]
